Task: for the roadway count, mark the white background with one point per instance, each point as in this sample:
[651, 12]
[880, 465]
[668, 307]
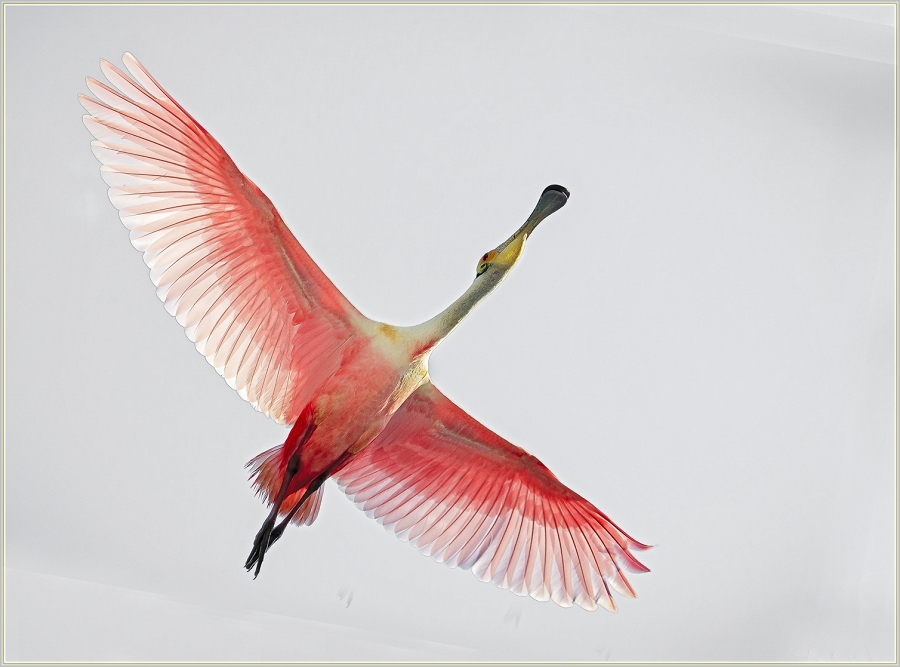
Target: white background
[701, 342]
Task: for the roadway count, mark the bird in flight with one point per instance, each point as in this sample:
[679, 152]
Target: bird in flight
[356, 393]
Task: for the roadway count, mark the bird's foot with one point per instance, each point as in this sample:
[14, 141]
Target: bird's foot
[265, 538]
[260, 546]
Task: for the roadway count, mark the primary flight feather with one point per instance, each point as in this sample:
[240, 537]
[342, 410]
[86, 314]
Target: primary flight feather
[356, 393]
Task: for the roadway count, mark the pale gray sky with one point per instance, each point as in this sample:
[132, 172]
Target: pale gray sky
[701, 342]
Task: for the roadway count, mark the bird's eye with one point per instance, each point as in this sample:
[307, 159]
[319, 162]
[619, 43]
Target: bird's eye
[485, 262]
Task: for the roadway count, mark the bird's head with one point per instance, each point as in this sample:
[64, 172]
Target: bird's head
[494, 264]
[492, 268]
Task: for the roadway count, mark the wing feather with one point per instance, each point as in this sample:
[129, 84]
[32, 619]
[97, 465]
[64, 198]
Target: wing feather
[486, 535]
[519, 559]
[223, 261]
[433, 525]
[466, 534]
[464, 496]
[463, 526]
[438, 534]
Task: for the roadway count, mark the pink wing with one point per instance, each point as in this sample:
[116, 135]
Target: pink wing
[466, 497]
[223, 261]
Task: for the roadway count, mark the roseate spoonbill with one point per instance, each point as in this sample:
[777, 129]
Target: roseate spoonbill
[357, 393]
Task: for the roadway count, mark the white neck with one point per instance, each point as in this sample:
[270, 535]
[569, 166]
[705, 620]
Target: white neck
[428, 334]
[425, 337]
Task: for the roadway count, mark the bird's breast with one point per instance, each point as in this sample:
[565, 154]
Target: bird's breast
[356, 403]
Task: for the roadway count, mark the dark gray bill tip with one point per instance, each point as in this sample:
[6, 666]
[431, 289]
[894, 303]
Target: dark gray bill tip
[556, 188]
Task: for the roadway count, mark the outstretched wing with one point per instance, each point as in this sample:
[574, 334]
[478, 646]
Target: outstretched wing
[466, 497]
[223, 261]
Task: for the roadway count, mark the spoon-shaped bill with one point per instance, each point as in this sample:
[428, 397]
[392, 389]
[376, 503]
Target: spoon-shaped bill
[553, 198]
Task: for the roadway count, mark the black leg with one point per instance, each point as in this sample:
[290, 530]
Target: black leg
[279, 529]
[256, 556]
[261, 541]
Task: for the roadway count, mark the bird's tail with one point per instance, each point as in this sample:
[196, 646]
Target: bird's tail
[266, 473]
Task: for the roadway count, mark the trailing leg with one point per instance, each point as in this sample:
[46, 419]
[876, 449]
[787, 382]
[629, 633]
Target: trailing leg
[261, 541]
[256, 556]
